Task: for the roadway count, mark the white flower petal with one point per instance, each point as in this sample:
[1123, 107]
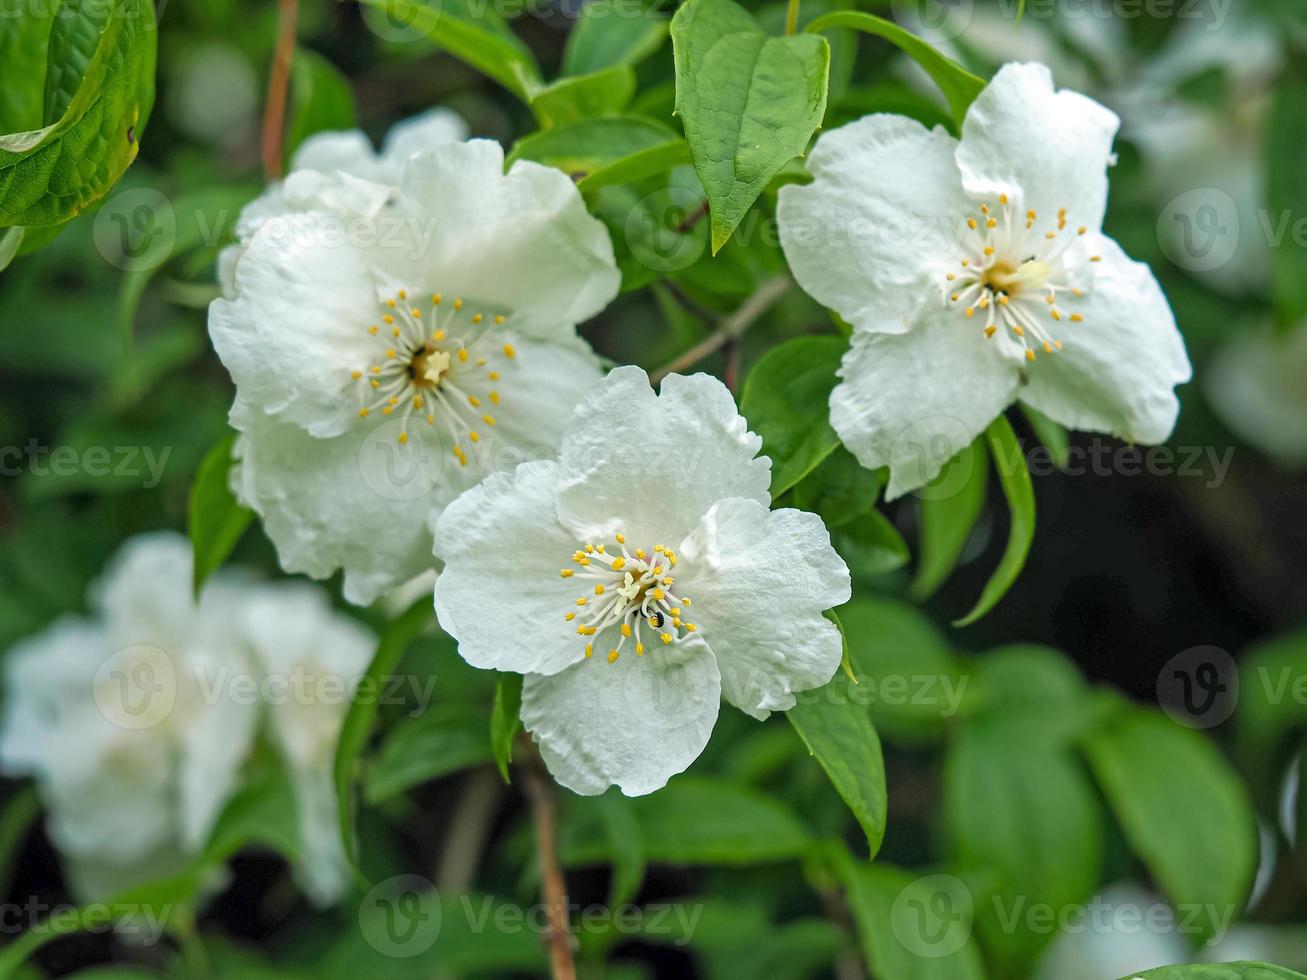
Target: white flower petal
[1119, 368]
[359, 501]
[297, 328]
[912, 401]
[144, 595]
[882, 213]
[411, 136]
[655, 464]
[522, 239]
[349, 151]
[760, 581]
[500, 594]
[633, 723]
[1047, 149]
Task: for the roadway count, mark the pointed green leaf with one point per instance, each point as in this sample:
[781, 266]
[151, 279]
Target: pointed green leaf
[216, 519]
[505, 720]
[947, 521]
[606, 92]
[1219, 971]
[609, 33]
[749, 103]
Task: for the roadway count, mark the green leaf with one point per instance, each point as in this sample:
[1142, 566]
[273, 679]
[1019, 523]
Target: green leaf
[99, 89]
[693, 820]
[505, 720]
[473, 34]
[441, 740]
[1286, 194]
[609, 33]
[907, 674]
[1181, 806]
[10, 240]
[911, 926]
[947, 521]
[785, 401]
[586, 147]
[959, 86]
[1010, 462]
[840, 489]
[1219, 971]
[605, 92]
[1023, 808]
[215, 519]
[1272, 706]
[839, 734]
[1041, 685]
[321, 99]
[749, 103]
[1052, 434]
[24, 41]
[871, 544]
[623, 832]
[357, 727]
[649, 162]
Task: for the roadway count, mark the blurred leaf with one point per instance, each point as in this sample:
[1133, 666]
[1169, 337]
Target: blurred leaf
[357, 727]
[649, 162]
[606, 34]
[99, 89]
[840, 489]
[907, 674]
[10, 240]
[912, 926]
[605, 92]
[586, 147]
[948, 520]
[785, 401]
[505, 720]
[1286, 195]
[1010, 462]
[1052, 434]
[441, 740]
[24, 42]
[472, 33]
[16, 820]
[959, 86]
[1037, 683]
[320, 99]
[1181, 807]
[1272, 706]
[871, 544]
[1222, 971]
[749, 103]
[1022, 807]
[216, 520]
[838, 732]
[619, 823]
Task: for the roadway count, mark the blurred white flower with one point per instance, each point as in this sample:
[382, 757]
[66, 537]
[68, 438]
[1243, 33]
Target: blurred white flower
[658, 503]
[967, 266]
[192, 107]
[386, 364]
[134, 728]
[1255, 384]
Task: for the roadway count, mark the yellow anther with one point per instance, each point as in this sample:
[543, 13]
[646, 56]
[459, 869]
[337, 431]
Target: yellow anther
[989, 249]
[1081, 230]
[1019, 331]
[582, 601]
[357, 374]
[589, 649]
[388, 319]
[566, 572]
[626, 629]
[1048, 348]
[493, 376]
[991, 223]
[474, 436]
[989, 331]
[970, 312]
[458, 304]
[1002, 199]
[438, 336]
[474, 401]
[499, 319]
[971, 223]
[639, 649]
[390, 352]
[494, 398]
[488, 419]
[403, 438]
[570, 616]
[363, 413]
[387, 410]
[415, 313]
[417, 401]
[667, 637]
[462, 355]
[1030, 355]
[612, 656]
[691, 627]
[394, 331]
[436, 299]
[1077, 318]
[599, 590]
[618, 563]
[658, 594]
[390, 303]
[509, 351]
[373, 330]
[477, 318]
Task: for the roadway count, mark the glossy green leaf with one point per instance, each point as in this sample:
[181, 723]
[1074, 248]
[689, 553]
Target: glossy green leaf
[441, 740]
[1010, 462]
[24, 42]
[912, 926]
[959, 86]
[785, 400]
[216, 520]
[472, 33]
[606, 92]
[870, 544]
[10, 240]
[608, 33]
[749, 103]
[1271, 710]
[357, 727]
[99, 89]
[840, 489]
[321, 99]
[1023, 808]
[1286, 195]
[947, 521]
[1052, 434]
[649, 162]
[586, 147]
[838, 732]
[1181, 806]
[1219, 971]
[505, 720]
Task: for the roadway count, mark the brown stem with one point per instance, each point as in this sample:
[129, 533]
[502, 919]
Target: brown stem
[693, 218]
[274, 114]
[540, 792]
[732, 328]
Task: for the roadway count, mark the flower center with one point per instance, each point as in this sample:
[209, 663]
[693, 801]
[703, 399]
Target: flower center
[1015, 274]
[438, 364]
[632, 592]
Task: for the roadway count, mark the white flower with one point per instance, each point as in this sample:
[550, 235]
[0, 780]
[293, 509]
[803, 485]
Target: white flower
[137, 722]
[639, 579]
[341, 172]
[386, 363]
[1255, 384]
[976, 274]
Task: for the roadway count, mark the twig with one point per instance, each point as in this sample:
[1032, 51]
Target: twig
[792, 17]
[274, 114]
[468, 829]
[540, 792]
[731, 328]
[693, 218]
